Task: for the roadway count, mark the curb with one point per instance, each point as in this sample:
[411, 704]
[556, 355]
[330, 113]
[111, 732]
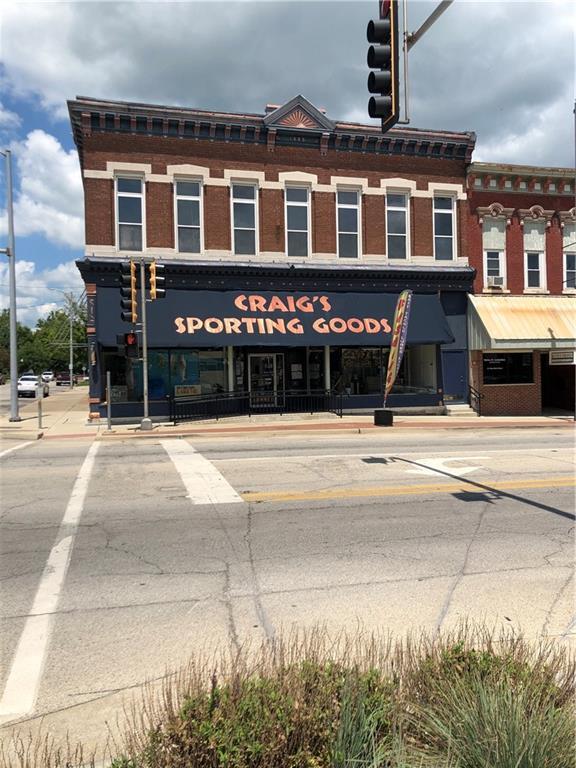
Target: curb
[321, 429]
[22, 434]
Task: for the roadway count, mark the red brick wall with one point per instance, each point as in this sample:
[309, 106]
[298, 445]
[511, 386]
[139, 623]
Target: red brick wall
[217, 234]
[324, 222]
[100, 148]
[515, 237]
[272, 236]
[554, 258]
[159, 215]
[421, 228]
[374, 224]
[99, 206]
[507, 399]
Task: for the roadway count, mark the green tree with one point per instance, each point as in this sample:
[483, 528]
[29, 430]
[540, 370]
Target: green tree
[24, 336]
[47, 347]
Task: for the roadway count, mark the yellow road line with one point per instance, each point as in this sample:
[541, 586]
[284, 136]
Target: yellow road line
[562, 481]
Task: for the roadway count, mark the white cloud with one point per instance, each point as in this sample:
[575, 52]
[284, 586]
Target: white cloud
[8, 120]
[39, 292]
[50, 198]
[484, 66]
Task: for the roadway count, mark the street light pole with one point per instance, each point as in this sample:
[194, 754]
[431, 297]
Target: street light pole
[11, 253]
[71, 359]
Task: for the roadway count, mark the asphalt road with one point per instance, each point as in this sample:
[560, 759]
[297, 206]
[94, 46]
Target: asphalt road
[120, 559]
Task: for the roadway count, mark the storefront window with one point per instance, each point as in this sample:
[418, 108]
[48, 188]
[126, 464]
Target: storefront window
[356, 371]
[514, 368]
[417, 372]
[197, 372]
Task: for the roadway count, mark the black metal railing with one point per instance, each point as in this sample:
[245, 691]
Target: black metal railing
[475, 399]
[224, 404]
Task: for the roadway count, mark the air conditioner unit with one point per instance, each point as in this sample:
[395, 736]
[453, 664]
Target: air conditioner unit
[496, 281]
[562, 357]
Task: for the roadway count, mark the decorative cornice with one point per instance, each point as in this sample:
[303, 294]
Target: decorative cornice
[92, 116]
[495, 211]
[535, 213]
[337, 277]
[567, 217]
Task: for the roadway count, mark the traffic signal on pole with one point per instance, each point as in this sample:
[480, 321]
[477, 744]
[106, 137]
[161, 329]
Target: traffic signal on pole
[129, 293]
[157, 280]
[131, 344]
[383, 55]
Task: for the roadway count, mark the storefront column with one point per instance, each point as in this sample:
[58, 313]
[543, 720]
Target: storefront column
[230, 367]
[326, 367]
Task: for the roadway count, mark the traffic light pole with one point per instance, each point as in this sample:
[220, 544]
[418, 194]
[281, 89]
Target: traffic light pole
[146, 422]
[413, 37]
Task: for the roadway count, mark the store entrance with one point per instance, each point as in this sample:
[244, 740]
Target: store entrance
[558, 384]
[266, 380]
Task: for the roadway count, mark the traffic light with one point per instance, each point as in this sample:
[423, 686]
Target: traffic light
[131, 344]
[129, 293]
[383, 55]
[157, 280]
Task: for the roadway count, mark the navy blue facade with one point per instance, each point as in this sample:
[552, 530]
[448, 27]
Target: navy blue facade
[292, 313]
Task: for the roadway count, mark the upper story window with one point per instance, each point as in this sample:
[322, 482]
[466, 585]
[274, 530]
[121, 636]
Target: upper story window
[444, 228]
[494, 246]
[569, 254]
[130, 214]
[189, 216]
[244, 218]
[534, 250]
[348, 218]
[534, 275]
[494, 269]
[397, 225]
[297, 221]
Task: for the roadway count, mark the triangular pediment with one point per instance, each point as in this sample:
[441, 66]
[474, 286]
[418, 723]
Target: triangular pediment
[298, 113]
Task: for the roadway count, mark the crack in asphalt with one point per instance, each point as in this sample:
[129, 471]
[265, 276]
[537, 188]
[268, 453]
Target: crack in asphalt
[260, 611]
[555, 601]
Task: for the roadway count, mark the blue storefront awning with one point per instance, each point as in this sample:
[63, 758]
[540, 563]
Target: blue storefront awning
[188, 318]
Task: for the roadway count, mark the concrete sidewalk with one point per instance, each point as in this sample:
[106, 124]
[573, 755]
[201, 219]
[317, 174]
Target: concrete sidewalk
[64, 415]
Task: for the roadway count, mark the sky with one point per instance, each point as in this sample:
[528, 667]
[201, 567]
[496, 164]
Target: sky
[504, 70]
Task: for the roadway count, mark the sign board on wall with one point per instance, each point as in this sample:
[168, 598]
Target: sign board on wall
[240, 318]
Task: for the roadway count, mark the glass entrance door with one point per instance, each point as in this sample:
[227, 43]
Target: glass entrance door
[266, 380]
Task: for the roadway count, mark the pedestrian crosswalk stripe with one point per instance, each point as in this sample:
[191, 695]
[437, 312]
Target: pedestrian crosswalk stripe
[204, 483]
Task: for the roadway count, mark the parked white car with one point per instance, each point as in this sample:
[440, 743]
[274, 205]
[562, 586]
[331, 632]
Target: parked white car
[48, 376]
[29, 386]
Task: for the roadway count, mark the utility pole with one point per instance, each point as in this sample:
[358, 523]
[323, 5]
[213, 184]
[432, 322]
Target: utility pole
[10, 251]
[146, 422]
[71, 359]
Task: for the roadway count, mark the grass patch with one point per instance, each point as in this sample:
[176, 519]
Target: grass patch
[467, 699]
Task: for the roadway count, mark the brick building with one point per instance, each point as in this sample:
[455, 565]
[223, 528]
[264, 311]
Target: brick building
[286, 239]
[522, 317]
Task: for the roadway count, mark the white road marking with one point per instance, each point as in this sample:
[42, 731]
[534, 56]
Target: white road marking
[204, 483]
[441, 466]
[372, 455]
[22, 685]
[16, 448]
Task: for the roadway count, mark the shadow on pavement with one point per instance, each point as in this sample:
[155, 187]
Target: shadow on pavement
[488, 494]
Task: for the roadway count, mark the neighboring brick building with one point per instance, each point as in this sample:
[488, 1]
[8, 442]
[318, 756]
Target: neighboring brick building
[252, 215]
[522, 319]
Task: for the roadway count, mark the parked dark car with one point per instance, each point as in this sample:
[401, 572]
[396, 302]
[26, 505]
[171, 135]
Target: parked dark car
[62, 379]
[2, 379]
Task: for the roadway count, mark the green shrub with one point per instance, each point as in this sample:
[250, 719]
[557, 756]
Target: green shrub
[291, 719]
[478, 722]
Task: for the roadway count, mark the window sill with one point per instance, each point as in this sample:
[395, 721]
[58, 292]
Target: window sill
[569, 291]
[495, 291]
[536, 291]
